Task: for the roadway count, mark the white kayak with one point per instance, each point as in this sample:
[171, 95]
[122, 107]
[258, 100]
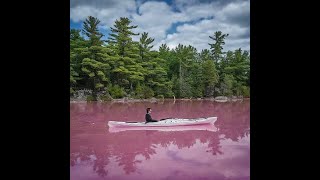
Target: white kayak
[206, 127]
[164, 123]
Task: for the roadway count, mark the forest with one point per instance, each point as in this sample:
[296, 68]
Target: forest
[120, 67]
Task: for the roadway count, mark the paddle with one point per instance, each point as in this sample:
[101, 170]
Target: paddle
[165, 118]
[159, 120]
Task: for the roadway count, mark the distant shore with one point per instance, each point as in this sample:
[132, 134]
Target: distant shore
[124, 100]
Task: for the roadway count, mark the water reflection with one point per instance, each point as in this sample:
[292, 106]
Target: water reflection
[101, 152]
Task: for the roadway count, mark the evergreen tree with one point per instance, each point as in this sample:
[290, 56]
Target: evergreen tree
[183, 59]
[77, 43]
[166, 54]
[95, 64]
[216, 47]
[127, 70]
[238, 66]
[125, 67]
[155, 74]
[210, 77]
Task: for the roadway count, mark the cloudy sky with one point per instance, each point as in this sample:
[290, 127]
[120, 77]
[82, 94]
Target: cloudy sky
[188, 22]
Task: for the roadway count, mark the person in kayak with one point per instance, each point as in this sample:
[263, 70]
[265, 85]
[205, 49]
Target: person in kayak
[148, 116]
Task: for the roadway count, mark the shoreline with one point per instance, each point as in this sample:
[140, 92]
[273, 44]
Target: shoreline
[153, 100]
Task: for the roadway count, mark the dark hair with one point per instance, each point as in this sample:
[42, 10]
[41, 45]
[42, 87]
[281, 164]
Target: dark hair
[148, 109]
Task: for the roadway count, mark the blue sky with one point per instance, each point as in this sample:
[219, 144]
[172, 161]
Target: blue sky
[172, 21]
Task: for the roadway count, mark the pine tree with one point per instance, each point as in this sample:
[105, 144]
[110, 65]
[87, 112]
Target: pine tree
[155, 74]
[126, 69]
[166, 55]
[216, 47]
[205, 55]
[210, 77]
[96, 63]
[183, 59]
[238, 65]
[76, 42]
[218, 55]
[145, 45]
[227, 84]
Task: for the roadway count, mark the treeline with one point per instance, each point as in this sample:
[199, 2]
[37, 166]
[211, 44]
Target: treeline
[120, 67]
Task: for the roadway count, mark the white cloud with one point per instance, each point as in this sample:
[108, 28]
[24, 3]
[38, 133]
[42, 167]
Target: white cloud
[232, 19]
[236, 12]
[198, 34]
[106, 11]
[156, 18]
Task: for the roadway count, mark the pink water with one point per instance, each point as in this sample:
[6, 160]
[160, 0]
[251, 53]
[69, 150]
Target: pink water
[96, 153]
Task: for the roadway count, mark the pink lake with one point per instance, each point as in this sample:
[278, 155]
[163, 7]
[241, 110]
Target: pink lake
[96, 153]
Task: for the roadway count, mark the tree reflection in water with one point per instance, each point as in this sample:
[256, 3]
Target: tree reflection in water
[93, 144]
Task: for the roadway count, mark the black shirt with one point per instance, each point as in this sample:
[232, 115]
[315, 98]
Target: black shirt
[149, 119]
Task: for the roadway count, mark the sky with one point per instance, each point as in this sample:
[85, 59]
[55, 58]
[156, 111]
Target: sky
[188, 22]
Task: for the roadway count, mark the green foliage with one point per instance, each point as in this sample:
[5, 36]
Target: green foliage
[210, 77]
[76, 43]
[181, 68]
[106, 97]
[165, 89]
[139, 92]
[143, 92]
[95, 62]
[125, 67]
[145, 45]
[91, 98]
[90, 29]
[176, 86]
[160, 96]
[166, 55]
[245, 91]
[155, 74]
[147, 92]
[227, 85]
[217, 46]
[197, 85]
[127, 70]
[116, 91]
[71, 91]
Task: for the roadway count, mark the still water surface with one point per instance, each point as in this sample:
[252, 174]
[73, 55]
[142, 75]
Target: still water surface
[96, 153]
